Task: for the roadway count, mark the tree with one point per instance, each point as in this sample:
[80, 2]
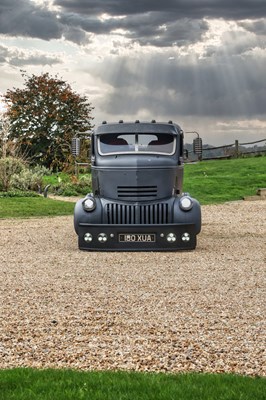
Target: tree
[44, 117]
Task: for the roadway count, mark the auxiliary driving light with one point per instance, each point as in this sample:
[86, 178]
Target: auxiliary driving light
[102, 237]
[88, 237]
[89, 204]
[186, 203]
[185, 237]
[171, 237]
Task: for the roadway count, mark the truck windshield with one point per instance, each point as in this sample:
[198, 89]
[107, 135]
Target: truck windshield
[159, 143]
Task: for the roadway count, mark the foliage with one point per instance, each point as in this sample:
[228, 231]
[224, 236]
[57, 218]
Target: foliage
[18, 193]
[69, 185]
[29, 179]
[29, 384]
[44, 117]
[8, 167]
[218, 181]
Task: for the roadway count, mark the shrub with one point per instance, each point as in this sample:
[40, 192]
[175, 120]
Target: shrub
[17, 193]
[9, 166]
[29, 179]
[74, 188]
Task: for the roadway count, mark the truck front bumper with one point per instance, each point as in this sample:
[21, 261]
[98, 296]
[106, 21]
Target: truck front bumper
[170, 237]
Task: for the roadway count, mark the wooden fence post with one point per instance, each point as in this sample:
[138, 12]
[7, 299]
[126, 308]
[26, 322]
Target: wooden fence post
[236, 149]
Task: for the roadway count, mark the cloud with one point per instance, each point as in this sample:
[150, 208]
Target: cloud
[179, 8]
[25, 18]
[185, 87]
[20, 58]
[258, 27]
[203, 61]
[153, 23]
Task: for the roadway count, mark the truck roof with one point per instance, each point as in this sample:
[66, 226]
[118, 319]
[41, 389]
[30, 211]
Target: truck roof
[138, 127]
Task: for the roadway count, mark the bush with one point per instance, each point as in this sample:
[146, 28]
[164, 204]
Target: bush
[9, 166]
[29, 179]
[17, 193]
[74, 188]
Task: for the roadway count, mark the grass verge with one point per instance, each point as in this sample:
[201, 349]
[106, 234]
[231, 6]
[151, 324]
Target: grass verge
[225, 180]
[30, 384]
[24, 207]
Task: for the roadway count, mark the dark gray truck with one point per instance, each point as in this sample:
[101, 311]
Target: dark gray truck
[137, 201]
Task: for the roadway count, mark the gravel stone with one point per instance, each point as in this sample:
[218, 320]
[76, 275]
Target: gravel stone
[176, 312]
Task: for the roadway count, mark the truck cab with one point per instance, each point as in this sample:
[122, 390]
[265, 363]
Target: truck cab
[137, 201]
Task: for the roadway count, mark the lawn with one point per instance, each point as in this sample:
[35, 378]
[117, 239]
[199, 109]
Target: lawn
[24, 207]
[225, 180]
[30, 384]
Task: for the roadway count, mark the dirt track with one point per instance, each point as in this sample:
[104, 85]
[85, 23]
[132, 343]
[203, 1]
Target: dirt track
[188, 311]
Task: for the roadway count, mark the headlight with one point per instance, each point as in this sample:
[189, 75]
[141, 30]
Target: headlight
[186, 203]
[89, 204]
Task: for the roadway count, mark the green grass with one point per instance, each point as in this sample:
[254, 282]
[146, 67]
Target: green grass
[30, 384]
[24, 207]
[225, 180]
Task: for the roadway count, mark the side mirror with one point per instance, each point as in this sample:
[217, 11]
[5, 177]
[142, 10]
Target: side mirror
[75, 147]
[185, 154]
[197, 147]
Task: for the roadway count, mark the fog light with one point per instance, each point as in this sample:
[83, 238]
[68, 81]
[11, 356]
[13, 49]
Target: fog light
[186, 203]
[88, 237]
[185, 237]
[171, 237]
[102, 237]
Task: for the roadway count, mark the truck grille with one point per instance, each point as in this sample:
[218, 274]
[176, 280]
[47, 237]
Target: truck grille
[137, 214]
[136, 192]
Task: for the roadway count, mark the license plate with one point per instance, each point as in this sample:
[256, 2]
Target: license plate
[137, 237]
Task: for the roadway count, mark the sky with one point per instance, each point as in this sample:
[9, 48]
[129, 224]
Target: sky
[199, 63]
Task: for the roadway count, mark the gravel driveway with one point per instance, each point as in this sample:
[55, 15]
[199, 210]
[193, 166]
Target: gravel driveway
[186, 311]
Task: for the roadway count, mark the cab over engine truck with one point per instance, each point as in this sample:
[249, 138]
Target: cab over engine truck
[137, 201]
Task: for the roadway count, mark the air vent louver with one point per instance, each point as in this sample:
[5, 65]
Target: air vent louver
[137, 214]
[136, 192]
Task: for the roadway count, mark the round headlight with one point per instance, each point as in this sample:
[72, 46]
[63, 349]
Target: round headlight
[89, 204]
[186, 203]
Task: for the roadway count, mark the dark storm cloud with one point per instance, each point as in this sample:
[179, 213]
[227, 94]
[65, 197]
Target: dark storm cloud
[238, 9]
[147, 29]
[157, 23]
[162, 31]
[24, 18]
